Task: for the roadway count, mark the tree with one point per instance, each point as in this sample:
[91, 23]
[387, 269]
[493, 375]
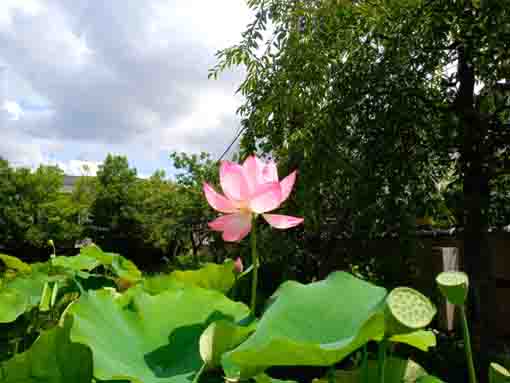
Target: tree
[157, 215]
[23, 194]
[375, 100]
[192, 211]
[116, 205]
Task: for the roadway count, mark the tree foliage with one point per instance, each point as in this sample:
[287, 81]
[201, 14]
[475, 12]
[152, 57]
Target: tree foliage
[31, 206]
[376, 102]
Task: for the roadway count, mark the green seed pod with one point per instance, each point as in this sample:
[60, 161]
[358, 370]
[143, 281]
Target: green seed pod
[454, 285]
[498, 374]
[407, 310]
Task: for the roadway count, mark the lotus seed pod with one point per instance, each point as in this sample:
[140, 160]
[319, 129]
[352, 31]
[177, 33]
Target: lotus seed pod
[498, 374]
[407, 310]
[454, 286]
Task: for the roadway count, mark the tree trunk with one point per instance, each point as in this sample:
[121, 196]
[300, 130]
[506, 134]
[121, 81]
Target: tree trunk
[477, 260]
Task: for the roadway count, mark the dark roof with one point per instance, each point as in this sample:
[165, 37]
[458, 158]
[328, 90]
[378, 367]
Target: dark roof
[69, 182]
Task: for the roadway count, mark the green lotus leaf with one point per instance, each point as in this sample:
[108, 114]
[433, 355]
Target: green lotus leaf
[396, 370]
[264, 378]
[317, 324]
[92, 256]
[498, 374]
[148, 338]
[21, 294]
[77, 263]
[454, 286]
[222, 336]
[429, 379]
[421, 339]
[15, 264]
[211, 276]
[52, 358]
[124, 268]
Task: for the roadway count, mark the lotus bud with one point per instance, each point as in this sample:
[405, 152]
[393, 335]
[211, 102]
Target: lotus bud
[238, 266]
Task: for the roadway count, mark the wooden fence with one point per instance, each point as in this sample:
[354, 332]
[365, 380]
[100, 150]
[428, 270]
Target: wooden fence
[433, 255]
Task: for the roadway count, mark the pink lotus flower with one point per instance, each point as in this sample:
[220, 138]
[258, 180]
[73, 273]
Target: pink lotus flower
[250, 189]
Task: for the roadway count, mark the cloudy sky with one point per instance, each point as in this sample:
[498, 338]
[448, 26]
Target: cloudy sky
[82, 78]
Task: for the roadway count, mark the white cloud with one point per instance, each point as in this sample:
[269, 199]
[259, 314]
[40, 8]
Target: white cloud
[13, 110]
[10, 8]
[79, 167]
[117, 76]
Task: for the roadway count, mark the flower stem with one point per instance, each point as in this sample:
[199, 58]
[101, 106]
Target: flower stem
[382, 359]
[364, 365]
[255, 263]
[467, 345]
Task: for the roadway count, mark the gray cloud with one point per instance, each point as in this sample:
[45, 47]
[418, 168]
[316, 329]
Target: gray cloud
[122, 74]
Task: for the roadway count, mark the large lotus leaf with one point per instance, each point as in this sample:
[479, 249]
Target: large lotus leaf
[396, 370]
[20, 294]
[420, 339]
[316, 324]
[15, 264]
[124, 268]
[52, 358]
[211, 276]
[264, 378]
[92, 256]
[148, 338]
[222, 336]
[76, 263]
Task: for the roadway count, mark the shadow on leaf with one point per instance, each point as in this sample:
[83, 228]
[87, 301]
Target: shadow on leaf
[181, 355]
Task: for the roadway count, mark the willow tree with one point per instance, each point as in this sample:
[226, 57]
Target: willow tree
[375, 101]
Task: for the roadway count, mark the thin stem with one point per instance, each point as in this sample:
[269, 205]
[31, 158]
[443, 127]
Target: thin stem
[255, 263]
[364, 364]
[467, 345]
[381, 358]
[199, 373]
[331, 375]
[52, 244]
[80, 287]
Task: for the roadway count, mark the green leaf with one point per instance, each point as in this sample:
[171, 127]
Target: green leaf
[498, 373]
[14, 263]
[397, 370]
[420, 339]
[317, 324]
[21, 294]
[211, 276]
[77, 263]
[222, 336]
[92, 256]
[264, 378]
[148, 338]
[52, 358]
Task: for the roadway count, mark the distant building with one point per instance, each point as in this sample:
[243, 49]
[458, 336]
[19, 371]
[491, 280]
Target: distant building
[69, 183]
